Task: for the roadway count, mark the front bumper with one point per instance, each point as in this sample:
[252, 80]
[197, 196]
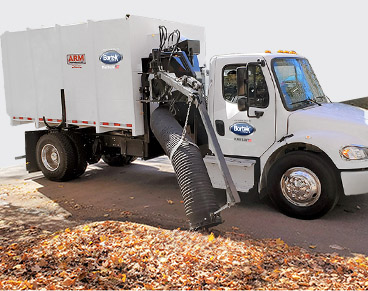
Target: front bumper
[355, 182]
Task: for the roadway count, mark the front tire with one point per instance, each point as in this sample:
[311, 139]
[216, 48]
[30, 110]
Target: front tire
[56, 156]
[303, 185]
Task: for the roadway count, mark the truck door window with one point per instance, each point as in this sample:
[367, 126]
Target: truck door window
[258, 92]
[229, 83]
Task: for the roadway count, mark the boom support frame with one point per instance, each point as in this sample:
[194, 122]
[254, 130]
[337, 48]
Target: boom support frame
[193, 90]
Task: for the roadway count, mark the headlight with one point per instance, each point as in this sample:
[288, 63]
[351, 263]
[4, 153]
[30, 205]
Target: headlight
[354, 152]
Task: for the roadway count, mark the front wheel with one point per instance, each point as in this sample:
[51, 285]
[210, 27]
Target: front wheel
[303, 185]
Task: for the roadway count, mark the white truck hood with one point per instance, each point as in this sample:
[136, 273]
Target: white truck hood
[337, 118]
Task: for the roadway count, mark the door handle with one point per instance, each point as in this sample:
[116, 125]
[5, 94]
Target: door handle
[257, 114]
[220, 127]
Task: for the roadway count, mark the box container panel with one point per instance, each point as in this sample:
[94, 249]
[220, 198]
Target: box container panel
[98, 64]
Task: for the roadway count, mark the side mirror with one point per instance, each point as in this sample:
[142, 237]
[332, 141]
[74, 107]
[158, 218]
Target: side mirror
[241, 80]
[243, 104]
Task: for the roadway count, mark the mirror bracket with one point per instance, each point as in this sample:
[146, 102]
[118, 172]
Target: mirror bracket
[261, 62]
[243, 104]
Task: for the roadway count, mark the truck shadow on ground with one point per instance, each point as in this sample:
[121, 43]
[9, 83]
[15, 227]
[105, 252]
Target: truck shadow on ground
[147, 192]
[105, 192]
[139, 192]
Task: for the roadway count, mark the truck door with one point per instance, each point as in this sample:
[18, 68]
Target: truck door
[241, 133]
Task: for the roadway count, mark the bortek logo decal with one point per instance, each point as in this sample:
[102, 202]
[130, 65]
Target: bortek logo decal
[111, 57]
[242, 128]
[76, 59]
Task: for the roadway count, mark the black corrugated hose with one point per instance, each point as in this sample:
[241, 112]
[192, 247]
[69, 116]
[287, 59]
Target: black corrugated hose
[195, 185]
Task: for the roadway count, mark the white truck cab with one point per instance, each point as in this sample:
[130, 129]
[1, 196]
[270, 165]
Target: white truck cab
[280, 132]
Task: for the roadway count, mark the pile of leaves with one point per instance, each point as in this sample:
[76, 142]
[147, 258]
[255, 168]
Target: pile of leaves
[123, 255]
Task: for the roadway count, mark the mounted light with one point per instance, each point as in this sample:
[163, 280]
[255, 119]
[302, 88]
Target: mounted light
[354, 152]
[287, 52]
[267, 52]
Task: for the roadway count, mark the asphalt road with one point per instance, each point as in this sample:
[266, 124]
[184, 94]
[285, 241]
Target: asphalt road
[147, 192]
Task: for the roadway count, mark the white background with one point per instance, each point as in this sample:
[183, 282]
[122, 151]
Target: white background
[331, 34]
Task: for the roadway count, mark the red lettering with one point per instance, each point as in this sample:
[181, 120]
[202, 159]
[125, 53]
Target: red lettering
[76, 59]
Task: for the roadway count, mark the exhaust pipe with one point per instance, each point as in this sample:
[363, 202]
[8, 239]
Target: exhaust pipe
[195, 185]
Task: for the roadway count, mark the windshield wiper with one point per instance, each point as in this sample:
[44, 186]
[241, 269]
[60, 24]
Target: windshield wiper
[324, 97]
[315, 101]
[306, 100]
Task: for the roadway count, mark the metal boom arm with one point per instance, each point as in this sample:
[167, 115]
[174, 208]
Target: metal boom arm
[192, 88]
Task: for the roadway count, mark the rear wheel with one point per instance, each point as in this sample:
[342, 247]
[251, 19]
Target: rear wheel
[117, 160]
[303, 185]
[56, 156]
[80, 151]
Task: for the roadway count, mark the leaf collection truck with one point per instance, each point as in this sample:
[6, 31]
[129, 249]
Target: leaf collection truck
[138, 87]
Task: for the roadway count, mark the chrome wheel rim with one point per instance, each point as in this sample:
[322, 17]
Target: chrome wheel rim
[300, 186]
[50, 157]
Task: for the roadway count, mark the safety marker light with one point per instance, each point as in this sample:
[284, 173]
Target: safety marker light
[267, 52]
[287, 52]
[345, 153]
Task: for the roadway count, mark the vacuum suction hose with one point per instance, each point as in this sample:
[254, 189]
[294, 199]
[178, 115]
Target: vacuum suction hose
[195, 185]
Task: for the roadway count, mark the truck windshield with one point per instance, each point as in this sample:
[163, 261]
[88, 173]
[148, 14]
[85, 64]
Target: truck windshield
[298, 83]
